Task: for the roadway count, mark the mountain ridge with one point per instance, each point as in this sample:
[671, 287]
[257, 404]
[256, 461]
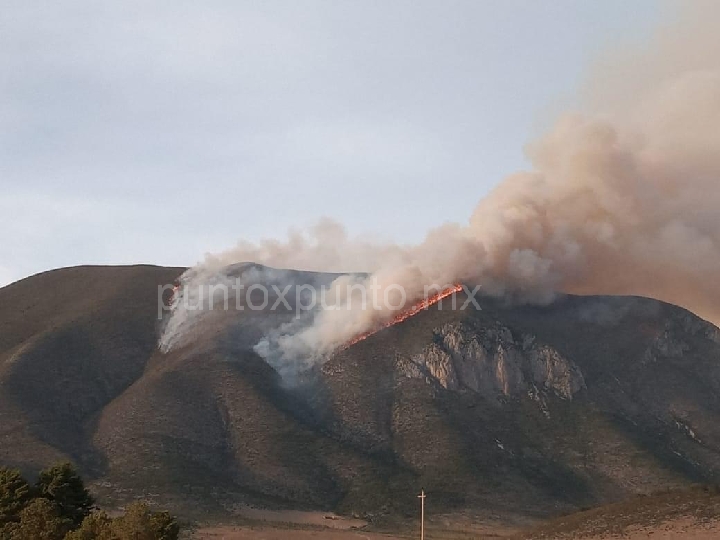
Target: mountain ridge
[525, 409]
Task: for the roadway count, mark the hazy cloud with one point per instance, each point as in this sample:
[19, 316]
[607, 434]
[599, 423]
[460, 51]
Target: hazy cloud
[123, 123]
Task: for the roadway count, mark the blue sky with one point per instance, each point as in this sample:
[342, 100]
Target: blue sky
[153, 132]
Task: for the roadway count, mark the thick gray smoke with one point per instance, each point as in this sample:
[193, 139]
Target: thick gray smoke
[623, 198]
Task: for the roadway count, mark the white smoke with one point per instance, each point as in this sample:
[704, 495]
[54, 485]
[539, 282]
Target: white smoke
[623, 198]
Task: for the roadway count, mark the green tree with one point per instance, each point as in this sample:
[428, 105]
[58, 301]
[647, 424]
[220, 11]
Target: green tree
[14, 495]
[60, 508]
[135, 524]
[140, 523]
[63, 485]
[39, 520]
[97, 526]
[165, 526]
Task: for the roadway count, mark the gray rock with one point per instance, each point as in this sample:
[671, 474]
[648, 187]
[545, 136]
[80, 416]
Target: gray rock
[490, 362]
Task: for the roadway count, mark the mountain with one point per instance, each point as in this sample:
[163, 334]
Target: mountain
[527, 410]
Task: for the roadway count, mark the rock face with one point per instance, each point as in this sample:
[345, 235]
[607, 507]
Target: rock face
[490, 361]
[677, 336]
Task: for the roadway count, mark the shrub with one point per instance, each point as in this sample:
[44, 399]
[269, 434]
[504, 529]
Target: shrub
[39, 520]
[96, 526]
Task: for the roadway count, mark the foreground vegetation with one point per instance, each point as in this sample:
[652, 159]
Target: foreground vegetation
[59, 507]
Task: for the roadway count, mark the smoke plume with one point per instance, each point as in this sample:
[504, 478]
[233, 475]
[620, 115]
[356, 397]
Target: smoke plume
[622, 199]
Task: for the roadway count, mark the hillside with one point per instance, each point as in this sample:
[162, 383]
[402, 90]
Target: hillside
[510, 410]
[686, 513]
[71, 341]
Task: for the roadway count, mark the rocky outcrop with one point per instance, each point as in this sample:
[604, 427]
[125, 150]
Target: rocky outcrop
[675, 339]
[490, 361]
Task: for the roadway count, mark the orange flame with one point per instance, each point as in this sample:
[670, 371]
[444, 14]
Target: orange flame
[406, 314]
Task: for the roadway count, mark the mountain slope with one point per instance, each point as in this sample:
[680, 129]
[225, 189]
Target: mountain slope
[70, 342]
[584, 401]
[520, 409]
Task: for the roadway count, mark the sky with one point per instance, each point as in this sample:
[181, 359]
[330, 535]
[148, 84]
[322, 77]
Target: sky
[154, 132]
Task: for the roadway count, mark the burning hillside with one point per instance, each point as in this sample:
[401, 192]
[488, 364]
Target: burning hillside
[621, 199]
[407, 313]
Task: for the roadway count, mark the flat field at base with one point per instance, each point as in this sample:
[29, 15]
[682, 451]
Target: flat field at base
[262, 533]
[270, 532]
[681, 529]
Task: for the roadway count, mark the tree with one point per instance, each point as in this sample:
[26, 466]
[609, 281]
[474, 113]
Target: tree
[135, 524]
[165, 526]
[60, 508]
[97, 526]
[39, 520]
[139, 523]
[62, 485]
[14, 495]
